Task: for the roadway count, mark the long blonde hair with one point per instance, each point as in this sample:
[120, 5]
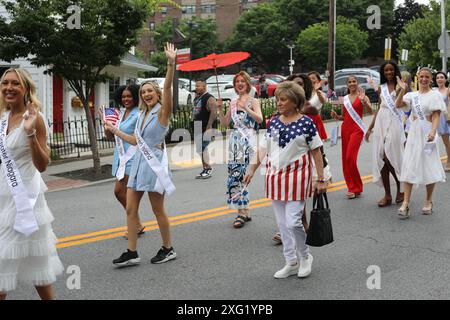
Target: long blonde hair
[27, 83]
[155, 86]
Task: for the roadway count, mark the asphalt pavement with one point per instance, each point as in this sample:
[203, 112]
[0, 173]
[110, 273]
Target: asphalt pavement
[216, 261]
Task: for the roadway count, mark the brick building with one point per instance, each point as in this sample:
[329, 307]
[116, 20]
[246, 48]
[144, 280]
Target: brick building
[225, 12]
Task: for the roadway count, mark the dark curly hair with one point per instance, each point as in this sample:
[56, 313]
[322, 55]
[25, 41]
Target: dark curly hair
[133, 88]
[307, 84]
[396, 71]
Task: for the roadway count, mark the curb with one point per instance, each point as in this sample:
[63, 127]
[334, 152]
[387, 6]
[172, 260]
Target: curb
[88, 184]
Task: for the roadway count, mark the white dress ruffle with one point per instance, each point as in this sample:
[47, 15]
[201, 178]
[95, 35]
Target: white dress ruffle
[30, 259]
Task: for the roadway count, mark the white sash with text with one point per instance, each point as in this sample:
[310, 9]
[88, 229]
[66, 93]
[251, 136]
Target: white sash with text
[124, 157]
[355, 116]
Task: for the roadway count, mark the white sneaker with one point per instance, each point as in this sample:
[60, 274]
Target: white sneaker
[305, 266]
[287, 271]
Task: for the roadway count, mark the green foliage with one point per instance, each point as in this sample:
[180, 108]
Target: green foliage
[420, 36]
[261, 32]
[158, 59]
[350, 44]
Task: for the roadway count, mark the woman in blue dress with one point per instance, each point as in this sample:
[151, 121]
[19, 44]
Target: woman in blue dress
[150, 170]
[443, 130]
[128, 98]
[243, 113]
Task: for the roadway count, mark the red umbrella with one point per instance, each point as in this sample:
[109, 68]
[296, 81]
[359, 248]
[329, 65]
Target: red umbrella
[214, 61]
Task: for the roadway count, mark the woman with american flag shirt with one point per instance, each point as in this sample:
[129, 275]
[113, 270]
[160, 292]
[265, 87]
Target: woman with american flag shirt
[290, 144]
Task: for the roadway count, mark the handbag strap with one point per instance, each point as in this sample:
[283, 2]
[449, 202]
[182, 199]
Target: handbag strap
[318, 201]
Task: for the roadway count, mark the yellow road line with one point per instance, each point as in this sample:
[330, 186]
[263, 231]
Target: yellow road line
[182, 219]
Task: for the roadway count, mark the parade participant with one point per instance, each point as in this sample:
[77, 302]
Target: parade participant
[27, 250]
[205, 112]
[128, 97]
[353, 130]
[388, 135]
[421, 162]
[150, 170]
[290, 144]
[243, 112]
[444, 128]
[317, 100]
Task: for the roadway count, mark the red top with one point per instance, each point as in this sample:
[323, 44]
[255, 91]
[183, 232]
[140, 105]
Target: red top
[348, 123]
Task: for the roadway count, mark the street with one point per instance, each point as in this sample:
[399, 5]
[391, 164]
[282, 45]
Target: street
[216, 261]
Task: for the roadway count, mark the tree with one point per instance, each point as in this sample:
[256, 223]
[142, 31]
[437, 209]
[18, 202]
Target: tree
[297, 15]
[205, 39]
[40, 30]
[350, 44]
[420, 36]
[403, 14]
[260, 32]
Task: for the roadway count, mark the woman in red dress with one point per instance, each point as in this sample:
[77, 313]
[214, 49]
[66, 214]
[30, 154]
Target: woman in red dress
[318, 98]
[353, 130]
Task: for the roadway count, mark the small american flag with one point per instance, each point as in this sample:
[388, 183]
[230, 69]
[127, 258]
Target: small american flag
[112, 115]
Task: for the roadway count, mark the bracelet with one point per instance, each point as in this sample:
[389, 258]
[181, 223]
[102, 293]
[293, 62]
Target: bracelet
[32, 134]
[170, 64]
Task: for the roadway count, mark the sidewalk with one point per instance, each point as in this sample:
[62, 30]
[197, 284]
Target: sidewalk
[182, 156]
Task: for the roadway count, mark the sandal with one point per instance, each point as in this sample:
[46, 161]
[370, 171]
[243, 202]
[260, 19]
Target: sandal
[399, 198]
[240, 220]
[427, 208]
[277, 238]
[139, 233]
[385, 202]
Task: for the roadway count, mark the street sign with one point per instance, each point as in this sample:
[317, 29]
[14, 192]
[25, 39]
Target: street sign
[404, 55]
[441, 42]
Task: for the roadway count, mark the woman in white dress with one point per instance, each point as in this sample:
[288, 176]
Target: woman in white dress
[27, 242]
[421, 162]
[444, 128]
[388, 135]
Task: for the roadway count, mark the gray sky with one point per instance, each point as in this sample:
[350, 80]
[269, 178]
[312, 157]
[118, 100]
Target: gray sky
[397, 2]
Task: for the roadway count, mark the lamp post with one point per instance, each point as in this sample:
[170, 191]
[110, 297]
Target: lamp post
[191, 24]
[444, 35]
[331, 44]
[291, 62]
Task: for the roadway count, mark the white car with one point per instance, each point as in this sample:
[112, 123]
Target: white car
[226, 88]
[185, 97]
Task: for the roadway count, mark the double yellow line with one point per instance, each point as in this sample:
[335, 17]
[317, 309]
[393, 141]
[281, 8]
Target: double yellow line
[177, 220]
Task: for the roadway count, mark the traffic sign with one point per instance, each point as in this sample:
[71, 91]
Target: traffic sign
[441, 42]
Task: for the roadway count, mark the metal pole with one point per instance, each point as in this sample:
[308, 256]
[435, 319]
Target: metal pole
[291, 67]
[331, 43]
[190, 53]
[444, 35]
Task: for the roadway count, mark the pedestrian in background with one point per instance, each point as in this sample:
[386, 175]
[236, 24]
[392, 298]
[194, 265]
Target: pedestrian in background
[289, 146]
[444, 127]
[27, 242]
[318, 98]
[150, 170]
[421, 161]
[205, 113]
[388, 135]
[352, 134]
[128, 98]
[243, 113]
[263, 87]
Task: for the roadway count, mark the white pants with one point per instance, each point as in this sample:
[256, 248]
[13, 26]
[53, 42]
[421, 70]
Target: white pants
[289, 218]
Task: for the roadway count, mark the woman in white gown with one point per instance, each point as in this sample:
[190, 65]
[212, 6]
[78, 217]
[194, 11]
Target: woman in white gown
[388, 135]
[27, 242]
[421, 162]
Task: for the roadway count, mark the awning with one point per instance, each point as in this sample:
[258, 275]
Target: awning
[134, 62]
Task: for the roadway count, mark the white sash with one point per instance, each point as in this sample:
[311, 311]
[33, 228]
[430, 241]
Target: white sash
[25, 221]
[161, 169]
[394, 110]
[426, 125]
[355, 116]
[124, 157]
[243, 130]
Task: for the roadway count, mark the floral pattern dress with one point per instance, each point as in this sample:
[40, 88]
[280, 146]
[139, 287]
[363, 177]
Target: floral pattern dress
[241, 149]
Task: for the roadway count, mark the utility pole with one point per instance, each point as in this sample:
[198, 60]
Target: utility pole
[331, 43]
[444, 35]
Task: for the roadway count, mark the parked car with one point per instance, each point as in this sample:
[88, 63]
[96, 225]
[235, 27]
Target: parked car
[340, 86]
[358, 72]
[275, 77]
[271, 86]
[226, 89]
[184, 96]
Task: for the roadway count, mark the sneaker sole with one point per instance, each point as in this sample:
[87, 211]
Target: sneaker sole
[171, 257]
[307, 274]
[131, 262]
[284, 277]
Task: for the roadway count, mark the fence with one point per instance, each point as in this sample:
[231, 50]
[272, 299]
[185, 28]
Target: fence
[70, 137]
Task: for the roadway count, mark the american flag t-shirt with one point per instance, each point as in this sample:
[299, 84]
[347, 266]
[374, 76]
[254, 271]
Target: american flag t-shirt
[112, 115]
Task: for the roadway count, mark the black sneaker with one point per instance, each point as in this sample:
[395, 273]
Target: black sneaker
[164, 255]
[200, 175]
[207, 173]
[128, 258]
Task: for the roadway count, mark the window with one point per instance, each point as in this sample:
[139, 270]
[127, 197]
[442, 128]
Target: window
[113, 85]
[152, 26]
[208, 8]
[164, 10]
[130, 81]
[188, 9]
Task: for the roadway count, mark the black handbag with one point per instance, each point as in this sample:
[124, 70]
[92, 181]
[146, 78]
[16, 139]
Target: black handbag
[320, 231]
